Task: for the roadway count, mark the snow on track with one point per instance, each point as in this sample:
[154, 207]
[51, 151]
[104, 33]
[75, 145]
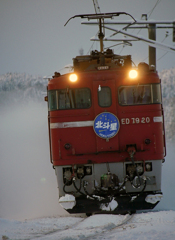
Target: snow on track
[30, 229]
[150, 225]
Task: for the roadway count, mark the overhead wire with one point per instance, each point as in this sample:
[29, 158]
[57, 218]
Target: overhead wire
[162, 56]
[97, 9]
[92, 44]
[151, 11]
[158, 1]
[166, 36]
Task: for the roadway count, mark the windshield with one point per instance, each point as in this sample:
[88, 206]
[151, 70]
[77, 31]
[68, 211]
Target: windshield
[140, 94]
[69, 99]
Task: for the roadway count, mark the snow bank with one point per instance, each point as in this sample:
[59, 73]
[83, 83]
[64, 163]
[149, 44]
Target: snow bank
[109, 207]
[68, 201]
[153, 198]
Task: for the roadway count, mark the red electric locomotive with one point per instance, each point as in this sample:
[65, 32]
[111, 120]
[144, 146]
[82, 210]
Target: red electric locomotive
[106, 133]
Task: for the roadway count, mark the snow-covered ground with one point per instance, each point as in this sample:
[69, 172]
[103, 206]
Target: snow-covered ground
[150, 225]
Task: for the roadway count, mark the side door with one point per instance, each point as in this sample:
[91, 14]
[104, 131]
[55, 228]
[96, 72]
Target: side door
[106, 123]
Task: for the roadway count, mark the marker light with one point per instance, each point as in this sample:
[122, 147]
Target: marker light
[73, 77]
[133, 74]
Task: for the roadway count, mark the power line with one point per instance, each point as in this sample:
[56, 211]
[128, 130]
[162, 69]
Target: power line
[162, 56]
[166, 35]
[92, 43]
[151, 11]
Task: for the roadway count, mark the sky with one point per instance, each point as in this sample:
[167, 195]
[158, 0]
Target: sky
[33, 38]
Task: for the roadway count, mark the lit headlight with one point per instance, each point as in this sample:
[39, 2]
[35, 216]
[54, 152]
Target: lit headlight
[73, 77]
[133, 74]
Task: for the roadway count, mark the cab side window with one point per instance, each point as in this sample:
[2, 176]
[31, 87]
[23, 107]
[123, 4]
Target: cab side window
[139, 94]
[52, 100]
[63, 99]
[82, 98]
[104, 97]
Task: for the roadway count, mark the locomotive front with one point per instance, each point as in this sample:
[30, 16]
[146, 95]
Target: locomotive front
[106, 131]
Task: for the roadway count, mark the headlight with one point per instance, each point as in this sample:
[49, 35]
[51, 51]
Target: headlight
[73, 77]
[133, 74]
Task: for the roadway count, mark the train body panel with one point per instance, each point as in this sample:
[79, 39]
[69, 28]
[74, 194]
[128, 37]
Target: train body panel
[66, 124]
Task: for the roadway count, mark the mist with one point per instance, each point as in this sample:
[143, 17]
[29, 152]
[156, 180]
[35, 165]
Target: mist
[168, 170]
[28, 187]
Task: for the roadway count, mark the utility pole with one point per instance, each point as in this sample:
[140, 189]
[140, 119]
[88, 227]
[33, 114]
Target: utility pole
[151, 25]
[152, 50]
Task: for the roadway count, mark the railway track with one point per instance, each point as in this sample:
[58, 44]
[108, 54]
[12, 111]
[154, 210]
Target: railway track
[111, 227]
[78, 232]
[50, 233]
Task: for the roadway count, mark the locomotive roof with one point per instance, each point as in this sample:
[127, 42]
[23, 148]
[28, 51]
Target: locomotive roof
[104, 60]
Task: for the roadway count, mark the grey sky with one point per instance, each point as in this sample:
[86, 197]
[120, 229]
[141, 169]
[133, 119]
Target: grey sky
[33, 38]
